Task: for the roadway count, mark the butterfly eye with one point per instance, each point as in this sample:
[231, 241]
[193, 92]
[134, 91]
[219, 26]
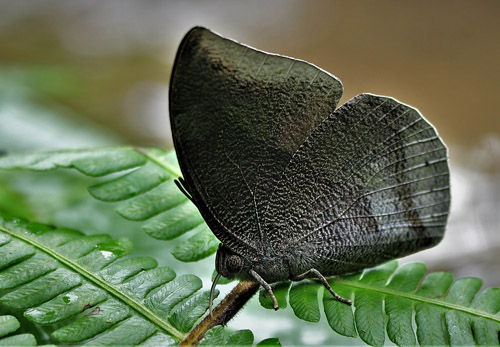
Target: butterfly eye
[234, 263]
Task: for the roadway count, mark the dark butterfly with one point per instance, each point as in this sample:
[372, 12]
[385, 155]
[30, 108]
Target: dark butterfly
[292, 187]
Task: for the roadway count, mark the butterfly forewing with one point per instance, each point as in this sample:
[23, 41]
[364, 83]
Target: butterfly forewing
[371, 183]
[238, 115]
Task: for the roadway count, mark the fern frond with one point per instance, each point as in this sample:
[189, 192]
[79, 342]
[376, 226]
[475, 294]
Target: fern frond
[396, 300]
[80, 283]
[144, 181]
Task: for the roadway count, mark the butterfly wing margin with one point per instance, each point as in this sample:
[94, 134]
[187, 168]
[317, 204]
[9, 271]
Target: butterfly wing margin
[370, 184]
[237, 116]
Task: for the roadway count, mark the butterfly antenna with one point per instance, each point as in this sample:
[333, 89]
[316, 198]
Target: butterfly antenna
[180, 184]
[212, 290]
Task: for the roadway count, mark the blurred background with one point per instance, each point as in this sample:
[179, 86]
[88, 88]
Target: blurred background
[91, 73]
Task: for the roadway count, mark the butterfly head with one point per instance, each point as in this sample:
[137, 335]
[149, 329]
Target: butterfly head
[245, 267]
[229, 264]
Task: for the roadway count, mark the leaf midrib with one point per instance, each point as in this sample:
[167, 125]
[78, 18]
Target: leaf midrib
[150, 315]
[158, 161]
[422, 299]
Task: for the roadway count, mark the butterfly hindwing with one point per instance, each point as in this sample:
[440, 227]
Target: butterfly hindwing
[371, 183]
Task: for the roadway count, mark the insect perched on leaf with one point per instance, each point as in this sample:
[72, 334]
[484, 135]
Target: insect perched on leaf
[291, 186]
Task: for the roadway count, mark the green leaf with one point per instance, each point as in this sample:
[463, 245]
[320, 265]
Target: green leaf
[129, 332]
[174, 222]
[272, 341]
[339, 315]
[19, 340]
[101, 318]
[131, 184]
[304, 301]
[213, 337]
[41, 289]
[489, 301]
[400, 310]
[143, 181]
[98, 165]
[164, 197]
[9, 324]
[89, 162]
[428, 317]
[82, 284]
[240, 338]
[218, 336]
[65, 306]
[462, 293]
[166, 297]
[158, 339]
[386, 298]
[280, 290]
[20, 273]
[199, 246]
[187, 313]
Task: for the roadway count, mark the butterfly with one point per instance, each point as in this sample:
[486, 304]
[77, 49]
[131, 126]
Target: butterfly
[291, 185]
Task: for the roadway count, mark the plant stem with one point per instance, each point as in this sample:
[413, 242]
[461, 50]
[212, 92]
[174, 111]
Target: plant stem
[227, 308]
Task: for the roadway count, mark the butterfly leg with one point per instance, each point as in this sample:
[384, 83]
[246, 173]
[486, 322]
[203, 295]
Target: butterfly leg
[322, 279]
[266, 286]
[182, 187]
